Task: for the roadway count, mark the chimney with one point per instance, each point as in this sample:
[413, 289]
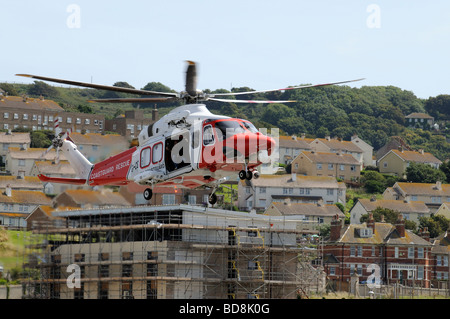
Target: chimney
[287, 201]
[155, 114]
[8, 191]
[382, 219]
[371, 222]
[421, 151]
[335, 229]
[327, 138]
[294, 137]
[425, 234]
[438, 185]
[400, 225]
[294, 176]
[303, 135]
[320, 203]
[23, 147]
[373, 199]
[400, 148]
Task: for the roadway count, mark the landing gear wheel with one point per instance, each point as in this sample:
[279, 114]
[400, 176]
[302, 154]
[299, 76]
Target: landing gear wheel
[212, 199]
[148, 194]
[249, 175]
[242, 175]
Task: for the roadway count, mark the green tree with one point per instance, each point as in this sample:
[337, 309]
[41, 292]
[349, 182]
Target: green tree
[423, 173]
[390, 216]
[439, 107]
[436, 224]
[445, 168]
[41, 88]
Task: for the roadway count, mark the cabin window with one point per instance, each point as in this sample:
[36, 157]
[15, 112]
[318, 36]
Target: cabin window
[157, 152]
[228, 129]
[145, 157]
[208, 135]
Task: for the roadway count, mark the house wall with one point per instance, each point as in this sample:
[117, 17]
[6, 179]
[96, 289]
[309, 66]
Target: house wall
[392, 164]
[259, 197]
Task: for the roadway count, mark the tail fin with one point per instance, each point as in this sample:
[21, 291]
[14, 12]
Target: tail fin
[80, 164]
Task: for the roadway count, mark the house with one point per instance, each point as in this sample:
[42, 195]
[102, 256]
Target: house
[89, 199]
[433, 195]
[130, 124]
[290, 147]
[300, 189]
[410, 210]
[27, 183]
[366, 148]
[20, 161]
[61, 169]
[396, 161]
[97, 147]
[440, 254]
[311, 215]
[444, 210]
[419, 120]
[400, 255]
[342, 166]
[16, 205]
[330, 145]
[40, 114]
[9, 139]
[40, 215]
[394, 143]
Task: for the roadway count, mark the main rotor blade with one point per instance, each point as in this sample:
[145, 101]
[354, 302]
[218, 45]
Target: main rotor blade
[248, 101]
[135, 100]
[285, 89]
[191, 78]
[99, 86]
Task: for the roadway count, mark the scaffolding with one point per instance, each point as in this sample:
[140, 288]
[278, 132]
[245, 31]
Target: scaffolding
[170, 252]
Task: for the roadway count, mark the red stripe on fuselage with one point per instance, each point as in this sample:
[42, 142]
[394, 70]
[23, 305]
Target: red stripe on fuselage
[112, 171]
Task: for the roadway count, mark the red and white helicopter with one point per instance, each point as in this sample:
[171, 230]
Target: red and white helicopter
[187, 148]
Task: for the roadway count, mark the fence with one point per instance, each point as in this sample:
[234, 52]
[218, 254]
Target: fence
[398, 291]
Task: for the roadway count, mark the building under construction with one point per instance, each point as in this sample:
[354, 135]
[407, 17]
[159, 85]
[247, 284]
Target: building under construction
[169, 252]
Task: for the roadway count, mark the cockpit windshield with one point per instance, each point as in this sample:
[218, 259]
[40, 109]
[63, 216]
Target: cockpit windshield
[249, 126]
[228, 128]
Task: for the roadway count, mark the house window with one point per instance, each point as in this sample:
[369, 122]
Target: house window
[359, 270]
[359, 251]
[319, 165]
[78, 120]
[330, 191]
[435, 199]
[420, 252]
[342, 167]
[438, 261]
[330, 166]
[21, 162]
[353, 168]
[16, 116]
[25, 116]
[69, 120]
[87, 121]
[5, 126]
[352, 251]
[192, 199]
[420, 271]
[5, 115]
[414, 198]
[262, 190]
[352, 269]
[262, 203]
[396, 252]
[168, 199]
[333, 271]
[385, 164]
[410, 252]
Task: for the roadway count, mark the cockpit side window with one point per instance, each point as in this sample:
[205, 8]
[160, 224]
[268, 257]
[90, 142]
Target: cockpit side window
[208, 135]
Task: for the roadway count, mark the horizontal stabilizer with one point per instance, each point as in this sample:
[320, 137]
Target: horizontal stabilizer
[76, 181]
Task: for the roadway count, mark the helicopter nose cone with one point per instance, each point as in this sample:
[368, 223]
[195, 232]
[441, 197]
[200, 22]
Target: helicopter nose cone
[248, 144]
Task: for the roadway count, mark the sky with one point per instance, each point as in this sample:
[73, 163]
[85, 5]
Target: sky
[257, 44]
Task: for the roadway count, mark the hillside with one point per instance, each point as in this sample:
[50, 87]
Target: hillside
[373, 113]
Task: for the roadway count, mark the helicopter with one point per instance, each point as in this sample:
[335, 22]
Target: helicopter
[189, 147]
